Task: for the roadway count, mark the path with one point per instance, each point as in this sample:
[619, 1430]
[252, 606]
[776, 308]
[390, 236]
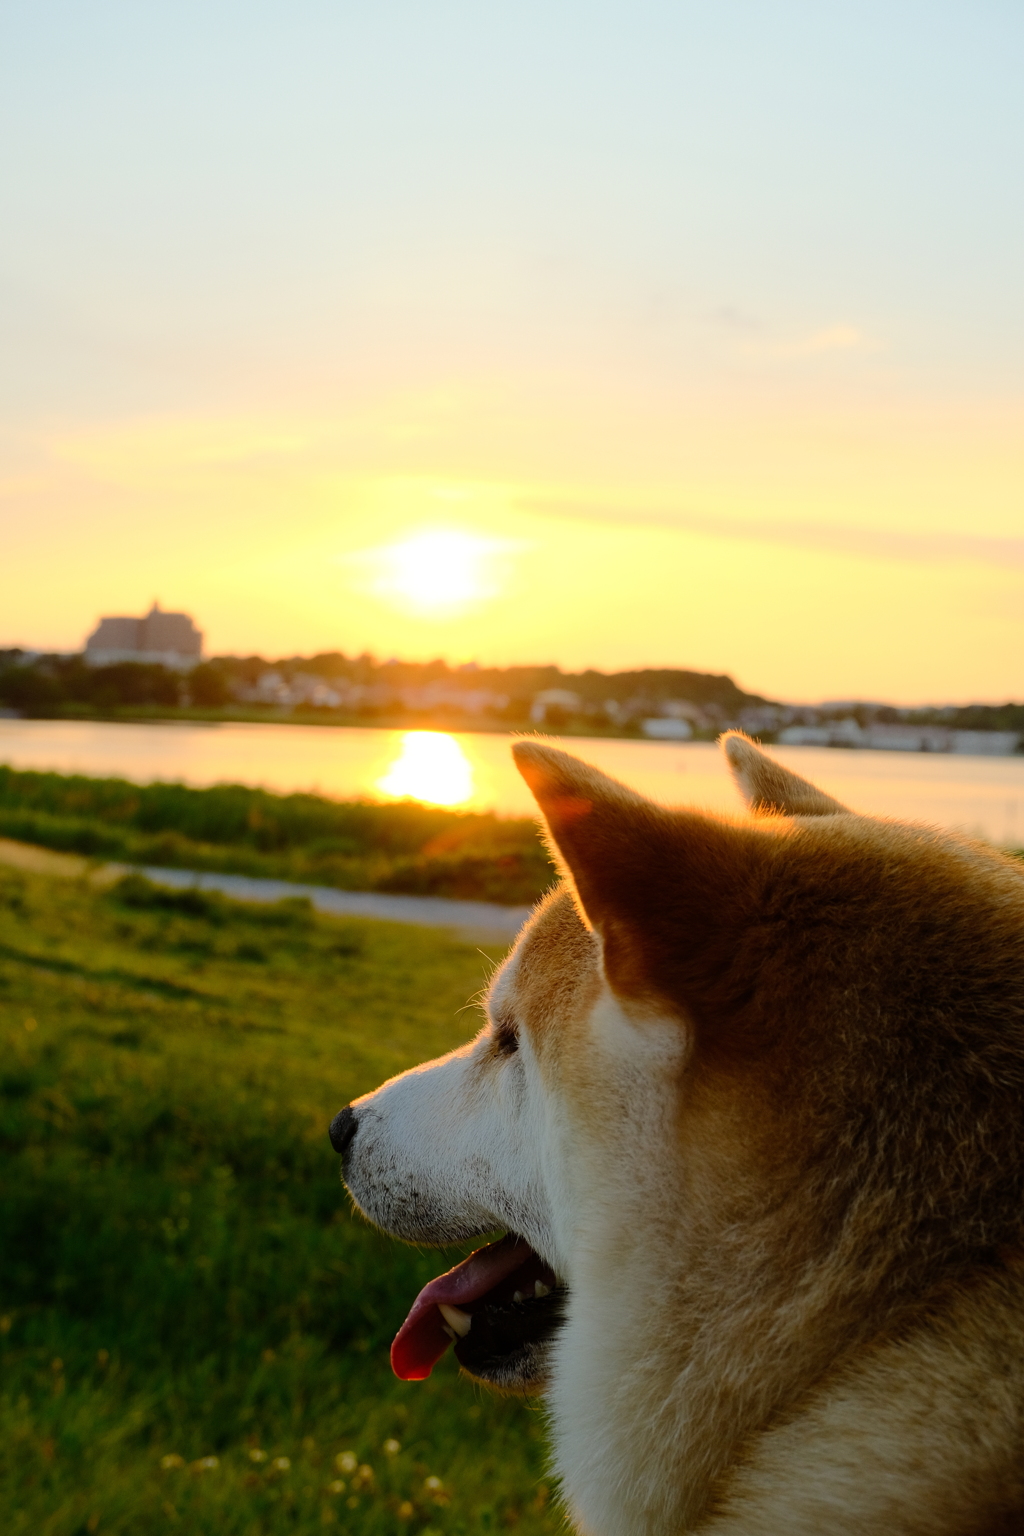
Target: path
[484, 921]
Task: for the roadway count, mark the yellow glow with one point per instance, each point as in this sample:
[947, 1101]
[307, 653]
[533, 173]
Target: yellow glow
[431, 767]
[438, 569]
[855, 547]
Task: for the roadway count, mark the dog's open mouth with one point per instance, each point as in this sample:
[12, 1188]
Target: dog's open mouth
[500, 1307]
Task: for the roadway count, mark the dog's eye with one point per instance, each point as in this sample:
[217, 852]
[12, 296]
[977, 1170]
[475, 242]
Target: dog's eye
[506, 1038]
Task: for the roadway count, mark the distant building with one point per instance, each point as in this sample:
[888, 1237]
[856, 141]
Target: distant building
[667, 728]
[302, 688]
[560, 702]
[682, 709]
[171, 639]
[441, 695]
[901, 737]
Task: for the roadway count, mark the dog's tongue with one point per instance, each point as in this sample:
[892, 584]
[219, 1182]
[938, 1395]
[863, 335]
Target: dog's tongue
[421, 1340]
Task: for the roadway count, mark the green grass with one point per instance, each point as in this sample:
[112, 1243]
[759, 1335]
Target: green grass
[180, 1274]
[356, 845]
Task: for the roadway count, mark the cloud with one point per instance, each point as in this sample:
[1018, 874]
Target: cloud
[754, 340]
[135, 451]
[867, 543]
[834, 338]
[734, 319]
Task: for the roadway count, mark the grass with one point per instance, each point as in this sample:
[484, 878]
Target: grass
[355, 845]
[193, 1327]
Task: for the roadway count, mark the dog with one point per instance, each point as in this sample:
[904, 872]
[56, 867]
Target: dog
[748, 1105]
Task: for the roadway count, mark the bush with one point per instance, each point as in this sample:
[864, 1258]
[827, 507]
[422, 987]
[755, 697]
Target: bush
[208, 686]
[131, 682]
[136, 891]
[27, 689]
[355, 845]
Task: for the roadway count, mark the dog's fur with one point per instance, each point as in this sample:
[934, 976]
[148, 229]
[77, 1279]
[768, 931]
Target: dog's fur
[753, 1089]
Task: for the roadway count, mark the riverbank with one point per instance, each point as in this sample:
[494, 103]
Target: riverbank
[403, 849]
[241, 714]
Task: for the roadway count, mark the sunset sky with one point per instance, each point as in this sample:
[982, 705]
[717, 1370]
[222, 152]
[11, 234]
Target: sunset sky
[608, 334]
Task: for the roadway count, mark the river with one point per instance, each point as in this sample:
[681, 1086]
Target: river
[474, 770]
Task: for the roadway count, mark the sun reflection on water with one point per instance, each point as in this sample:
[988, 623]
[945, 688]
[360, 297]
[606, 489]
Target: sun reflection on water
[431, 767]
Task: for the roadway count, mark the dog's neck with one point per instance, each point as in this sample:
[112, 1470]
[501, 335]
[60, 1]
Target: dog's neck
[736, 1318]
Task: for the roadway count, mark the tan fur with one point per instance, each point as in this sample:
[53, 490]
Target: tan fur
[922, 1434]
[846, 1348]
[770, 789]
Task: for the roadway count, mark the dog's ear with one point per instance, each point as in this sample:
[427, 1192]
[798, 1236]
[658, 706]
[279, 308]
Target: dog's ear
[669, 892]
[768, 788]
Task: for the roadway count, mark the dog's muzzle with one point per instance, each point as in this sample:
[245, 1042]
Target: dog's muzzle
[343, 1128]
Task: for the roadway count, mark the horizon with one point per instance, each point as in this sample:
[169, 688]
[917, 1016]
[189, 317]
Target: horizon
[472, 666]
[704, 345]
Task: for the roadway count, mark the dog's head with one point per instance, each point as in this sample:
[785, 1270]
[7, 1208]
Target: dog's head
[726, 1061]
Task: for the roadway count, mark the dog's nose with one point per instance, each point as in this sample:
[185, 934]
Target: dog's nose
[343, 1128]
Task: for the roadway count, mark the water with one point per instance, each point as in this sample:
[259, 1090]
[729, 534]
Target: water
[471, 770]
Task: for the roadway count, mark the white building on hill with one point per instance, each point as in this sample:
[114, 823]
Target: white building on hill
[171, 639]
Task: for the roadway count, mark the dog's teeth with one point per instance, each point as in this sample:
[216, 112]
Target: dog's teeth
[449, 1331]
[518, 1296]
[540, 1289]
[457, 1319]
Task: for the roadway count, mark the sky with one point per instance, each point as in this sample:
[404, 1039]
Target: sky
[608, 334]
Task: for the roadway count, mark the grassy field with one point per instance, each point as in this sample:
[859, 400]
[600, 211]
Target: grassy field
[193, 1327]
[355, 845]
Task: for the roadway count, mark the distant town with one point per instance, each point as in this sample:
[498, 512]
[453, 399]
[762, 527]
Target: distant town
[154, 666]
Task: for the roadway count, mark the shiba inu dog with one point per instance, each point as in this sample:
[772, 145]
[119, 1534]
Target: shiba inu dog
[749, 1106]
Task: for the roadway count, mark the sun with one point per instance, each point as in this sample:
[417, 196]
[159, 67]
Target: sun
[431, 767]
[437, 570]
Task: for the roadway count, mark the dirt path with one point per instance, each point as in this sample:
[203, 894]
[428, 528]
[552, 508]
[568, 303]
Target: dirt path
[483, 921]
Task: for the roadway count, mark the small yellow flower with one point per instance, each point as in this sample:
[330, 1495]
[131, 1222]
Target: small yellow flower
[170, 1462]
[31, 1025]
[433, 1485]
[346, 1461]
[366, 1473]
[405, 1510]
[257, 1455]
[352, 1503]
[281, 1463]
[206, 1463]
[391, 1447]
[338, 1486]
